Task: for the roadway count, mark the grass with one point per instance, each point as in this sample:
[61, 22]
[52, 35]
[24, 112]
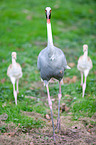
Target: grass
[23, 29]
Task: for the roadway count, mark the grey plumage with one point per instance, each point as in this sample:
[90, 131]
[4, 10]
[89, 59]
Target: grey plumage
[51, 65]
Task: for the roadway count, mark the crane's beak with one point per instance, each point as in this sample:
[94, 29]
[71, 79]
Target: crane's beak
[48, 15]
[14, 55]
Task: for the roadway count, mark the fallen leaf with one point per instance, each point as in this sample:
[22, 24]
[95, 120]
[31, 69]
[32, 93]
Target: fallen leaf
[31, 97]
[66, 109]
[95, 72]
[67, 95]
[66, 80]
[29, 17]
[47, 117]
[31, 88]
[26, 82]
[69, 80]
[3, 80]
[72, 64]
[17, 126]
[36, 72]
[23, 64]
[91, 125]
[73, 80]
[53, 100]
[89, 130]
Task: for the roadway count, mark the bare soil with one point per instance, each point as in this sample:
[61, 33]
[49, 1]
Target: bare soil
[80, 132]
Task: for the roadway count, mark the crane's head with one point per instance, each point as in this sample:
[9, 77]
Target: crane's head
[48, 14]
[14, 55]
[85, 47]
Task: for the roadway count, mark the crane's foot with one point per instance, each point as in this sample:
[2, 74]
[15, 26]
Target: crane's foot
[54, 138]
[58, 125]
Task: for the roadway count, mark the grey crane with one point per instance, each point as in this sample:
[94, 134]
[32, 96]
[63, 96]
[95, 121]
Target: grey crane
[52, 64]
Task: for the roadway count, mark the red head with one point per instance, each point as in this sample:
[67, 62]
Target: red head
[48, 14]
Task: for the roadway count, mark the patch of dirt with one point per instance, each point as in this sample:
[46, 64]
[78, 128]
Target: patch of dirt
[71, 133]
[71, 64]
[69, 80]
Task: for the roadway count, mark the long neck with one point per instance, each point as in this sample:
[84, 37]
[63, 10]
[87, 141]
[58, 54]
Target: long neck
[85, 55]
[50, 40]
[13, 62]
[49, 35]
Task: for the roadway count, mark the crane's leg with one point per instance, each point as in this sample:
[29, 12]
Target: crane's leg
[84, 87]
[50, 105]
[81, 78]
[14, 92]
[17, 86]
[59, 98]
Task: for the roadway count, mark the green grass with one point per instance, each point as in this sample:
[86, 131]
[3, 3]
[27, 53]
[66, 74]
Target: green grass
[23, 29]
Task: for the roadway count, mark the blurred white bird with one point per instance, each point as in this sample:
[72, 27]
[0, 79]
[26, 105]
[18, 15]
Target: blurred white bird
[84, 65]
[14, 71]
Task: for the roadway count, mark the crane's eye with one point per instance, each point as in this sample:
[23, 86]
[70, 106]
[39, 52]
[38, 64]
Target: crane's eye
[50, 11]
[45, 11]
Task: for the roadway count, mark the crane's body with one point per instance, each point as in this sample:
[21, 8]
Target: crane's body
[52, 64]
[84, 65]
[14, 71]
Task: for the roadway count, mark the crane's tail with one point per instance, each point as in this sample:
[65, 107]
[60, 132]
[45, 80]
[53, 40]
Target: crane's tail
[68, 67]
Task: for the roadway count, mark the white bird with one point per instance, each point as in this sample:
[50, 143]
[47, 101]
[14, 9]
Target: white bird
[84, 65]
[52, 64]
[14, 71]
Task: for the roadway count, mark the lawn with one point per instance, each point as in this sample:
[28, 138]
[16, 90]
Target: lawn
[23, 29]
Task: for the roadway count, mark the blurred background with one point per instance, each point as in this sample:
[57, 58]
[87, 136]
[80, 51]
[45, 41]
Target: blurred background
[23, 29]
